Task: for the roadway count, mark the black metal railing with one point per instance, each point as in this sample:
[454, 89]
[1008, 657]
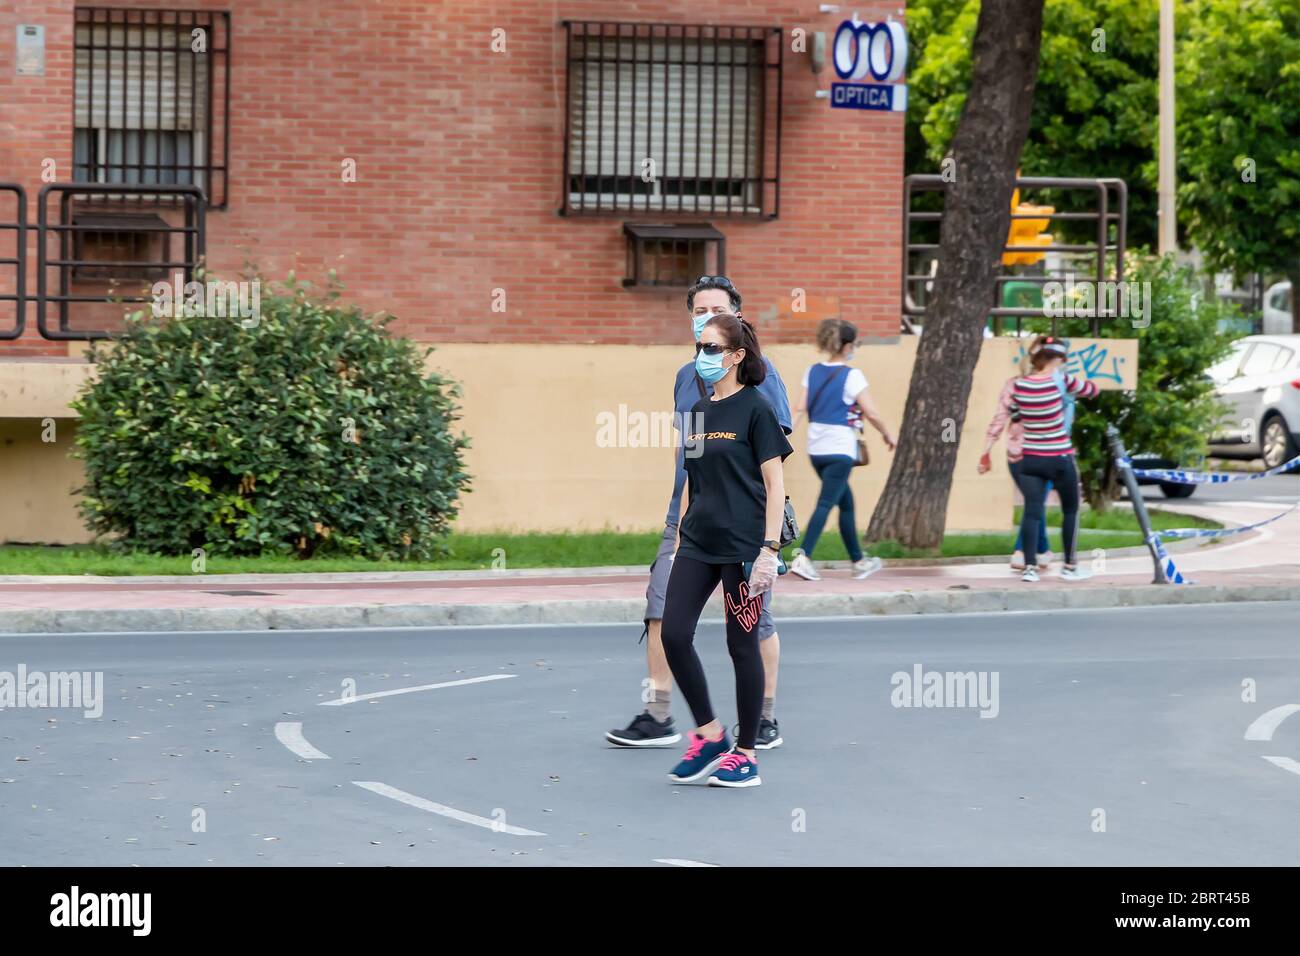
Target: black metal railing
[1101, 260]
[672, 118]
[17, 262]
[81, 215]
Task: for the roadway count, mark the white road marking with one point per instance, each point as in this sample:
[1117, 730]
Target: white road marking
[289, 733]
[1286, 763]
[411, 690]
[672, 862]
[1263, 726]
[410, 799]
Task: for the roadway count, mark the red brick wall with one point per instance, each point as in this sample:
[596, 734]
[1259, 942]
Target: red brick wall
[459, 153]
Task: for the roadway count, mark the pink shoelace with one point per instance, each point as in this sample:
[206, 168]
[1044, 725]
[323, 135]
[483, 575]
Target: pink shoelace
[693, 751]
[733, 760]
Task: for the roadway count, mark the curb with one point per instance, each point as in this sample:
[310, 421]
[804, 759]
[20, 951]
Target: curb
[622, 610]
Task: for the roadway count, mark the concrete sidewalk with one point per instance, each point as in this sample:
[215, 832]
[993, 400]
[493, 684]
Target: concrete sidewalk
[1259, 566]
[595, 595]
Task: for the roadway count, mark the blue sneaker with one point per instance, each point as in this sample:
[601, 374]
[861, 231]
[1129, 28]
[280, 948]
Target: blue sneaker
[736, 770]
[700, 758]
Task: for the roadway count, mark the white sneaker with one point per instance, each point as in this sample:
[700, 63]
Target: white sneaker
[1030, 575]
[866, 567]
[1075, 574]
[1044, 561]
[803, 567]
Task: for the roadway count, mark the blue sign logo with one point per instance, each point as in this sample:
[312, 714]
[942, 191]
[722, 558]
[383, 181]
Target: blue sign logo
[877, 50]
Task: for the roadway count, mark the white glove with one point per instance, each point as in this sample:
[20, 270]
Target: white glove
[763, 574]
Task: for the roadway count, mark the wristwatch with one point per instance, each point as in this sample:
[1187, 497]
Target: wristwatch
[774, 545]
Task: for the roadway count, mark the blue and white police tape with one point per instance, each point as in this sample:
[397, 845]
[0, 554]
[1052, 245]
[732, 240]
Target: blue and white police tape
[1177, 476]
[1172, 573]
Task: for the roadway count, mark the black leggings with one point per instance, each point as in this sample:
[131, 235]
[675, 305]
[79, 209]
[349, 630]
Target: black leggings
[1035, 472]
[690, 584]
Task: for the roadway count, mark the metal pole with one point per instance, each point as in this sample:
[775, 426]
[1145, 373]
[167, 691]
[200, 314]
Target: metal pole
[1135, 496]
[1168, 219]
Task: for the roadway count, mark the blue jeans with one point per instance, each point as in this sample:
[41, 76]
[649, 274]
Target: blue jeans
[1043, 546]
[834, 471]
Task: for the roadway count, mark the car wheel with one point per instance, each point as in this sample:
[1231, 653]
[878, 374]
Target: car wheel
[1275, 442]
[1176, 490]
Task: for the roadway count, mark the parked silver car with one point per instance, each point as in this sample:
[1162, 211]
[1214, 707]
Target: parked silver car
[1259, 382]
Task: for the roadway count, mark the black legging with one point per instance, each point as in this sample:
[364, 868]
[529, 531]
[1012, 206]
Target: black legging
[1035, 472]
[689, 585]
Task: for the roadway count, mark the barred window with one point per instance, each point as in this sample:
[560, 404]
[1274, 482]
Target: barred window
[673, 118]
[151, 96]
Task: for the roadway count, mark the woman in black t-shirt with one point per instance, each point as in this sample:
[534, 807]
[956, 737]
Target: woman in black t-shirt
[729, 532]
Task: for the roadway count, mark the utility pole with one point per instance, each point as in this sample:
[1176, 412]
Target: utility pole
[1168, 225]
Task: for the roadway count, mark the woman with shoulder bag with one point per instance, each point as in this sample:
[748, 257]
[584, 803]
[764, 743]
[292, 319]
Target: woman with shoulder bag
[835, 398]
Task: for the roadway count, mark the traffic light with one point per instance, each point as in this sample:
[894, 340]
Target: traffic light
[1027, 232]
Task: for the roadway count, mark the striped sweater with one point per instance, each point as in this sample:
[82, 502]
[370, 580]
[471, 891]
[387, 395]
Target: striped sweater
[1037, 405]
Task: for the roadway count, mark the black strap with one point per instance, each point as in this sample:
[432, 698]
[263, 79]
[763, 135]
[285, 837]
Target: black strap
[699, 383]
[822, 388]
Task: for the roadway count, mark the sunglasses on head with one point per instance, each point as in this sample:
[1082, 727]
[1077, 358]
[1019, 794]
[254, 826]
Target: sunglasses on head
[721, 281]
[710, 348]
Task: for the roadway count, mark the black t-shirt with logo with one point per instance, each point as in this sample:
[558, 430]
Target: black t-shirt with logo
[726, 443]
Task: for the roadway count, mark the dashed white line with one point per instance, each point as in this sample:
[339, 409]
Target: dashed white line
[674, 862]
[1263, 726]
[411, 690]
[410, 799]
[289, 733]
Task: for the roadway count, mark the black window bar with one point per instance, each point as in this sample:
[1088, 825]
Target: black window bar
[81, 215]
[18, 261]
[144, 109]
[672, 119]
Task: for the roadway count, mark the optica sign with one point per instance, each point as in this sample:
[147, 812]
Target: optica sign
[875, 50]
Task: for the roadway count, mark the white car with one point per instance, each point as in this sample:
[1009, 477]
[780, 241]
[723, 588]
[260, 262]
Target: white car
[1277, 309]
[1259, 382]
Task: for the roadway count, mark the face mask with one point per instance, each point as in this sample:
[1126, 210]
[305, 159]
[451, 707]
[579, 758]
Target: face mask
[710, 367]
[698, 322]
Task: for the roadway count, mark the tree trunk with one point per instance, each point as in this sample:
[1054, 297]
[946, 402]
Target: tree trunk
[977, 212]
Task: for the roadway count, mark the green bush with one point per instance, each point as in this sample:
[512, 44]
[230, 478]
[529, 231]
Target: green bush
[314, 431]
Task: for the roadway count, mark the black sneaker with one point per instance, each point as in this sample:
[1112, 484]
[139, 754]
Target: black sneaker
[645, 731]
[769, 734]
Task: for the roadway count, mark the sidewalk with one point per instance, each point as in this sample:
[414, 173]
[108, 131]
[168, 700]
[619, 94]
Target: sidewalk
[1261, 566]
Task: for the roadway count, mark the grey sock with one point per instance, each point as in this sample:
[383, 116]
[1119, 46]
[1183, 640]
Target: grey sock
[768, 704]
[658, 707]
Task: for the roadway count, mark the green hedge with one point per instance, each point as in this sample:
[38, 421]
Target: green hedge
[312, 431]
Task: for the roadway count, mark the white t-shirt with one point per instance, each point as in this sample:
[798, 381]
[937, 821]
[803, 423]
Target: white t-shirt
[836, 439]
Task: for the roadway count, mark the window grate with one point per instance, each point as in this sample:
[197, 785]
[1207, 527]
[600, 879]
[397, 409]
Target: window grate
[672, 119]
[151, 99]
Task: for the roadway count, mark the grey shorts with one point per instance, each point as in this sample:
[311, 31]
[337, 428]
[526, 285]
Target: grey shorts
[657, 589]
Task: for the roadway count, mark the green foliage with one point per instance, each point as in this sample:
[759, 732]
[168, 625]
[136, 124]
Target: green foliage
[1094, 110]
[1239, 100]
[1173, 411]
[314, 431]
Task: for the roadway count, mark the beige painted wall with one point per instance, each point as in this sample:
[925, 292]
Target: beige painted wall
[532, 413]
[37, 479]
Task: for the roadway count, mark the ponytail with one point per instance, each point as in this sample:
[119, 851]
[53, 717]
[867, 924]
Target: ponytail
[739, 334]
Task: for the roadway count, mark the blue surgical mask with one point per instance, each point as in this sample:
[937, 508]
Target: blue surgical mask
[698, 322]
[710, 367]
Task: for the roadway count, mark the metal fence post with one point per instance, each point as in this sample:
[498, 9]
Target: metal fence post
[1135, 495]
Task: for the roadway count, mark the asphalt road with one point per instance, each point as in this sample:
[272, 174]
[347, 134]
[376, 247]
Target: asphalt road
[1278, 489]
[1129, 718]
